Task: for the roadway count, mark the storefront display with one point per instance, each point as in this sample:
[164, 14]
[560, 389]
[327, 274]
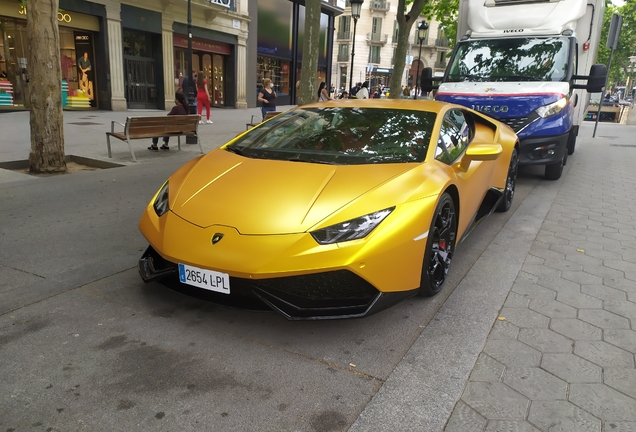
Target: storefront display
[276, 70]
[76, 54]
[207, 56]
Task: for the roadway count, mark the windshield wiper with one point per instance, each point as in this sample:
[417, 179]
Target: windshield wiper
[517, 77]
[467, 77]
[236, 150]
[316, 161]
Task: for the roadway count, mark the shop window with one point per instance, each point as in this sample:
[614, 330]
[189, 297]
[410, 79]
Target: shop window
[275, 69]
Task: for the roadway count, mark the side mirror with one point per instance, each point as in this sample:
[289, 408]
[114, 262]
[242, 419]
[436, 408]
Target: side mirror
[480, 152]
[595, 80]
[426, 80]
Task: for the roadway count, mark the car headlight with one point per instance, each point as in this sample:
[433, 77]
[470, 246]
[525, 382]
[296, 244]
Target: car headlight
[161, 205]
[352, 229]
[552, 109]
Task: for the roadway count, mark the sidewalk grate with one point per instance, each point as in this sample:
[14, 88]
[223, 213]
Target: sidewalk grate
[85, 123]
[623, 145]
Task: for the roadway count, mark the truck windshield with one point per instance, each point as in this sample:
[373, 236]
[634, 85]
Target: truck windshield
[510, 59]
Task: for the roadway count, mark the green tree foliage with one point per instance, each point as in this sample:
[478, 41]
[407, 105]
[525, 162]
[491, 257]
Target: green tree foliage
[444, 11]
[619, 69]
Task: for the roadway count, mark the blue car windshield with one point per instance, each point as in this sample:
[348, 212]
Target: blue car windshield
[341, 136]
[510, 59]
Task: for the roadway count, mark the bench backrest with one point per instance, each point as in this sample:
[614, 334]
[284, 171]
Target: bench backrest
[270, 114]
[151, 127]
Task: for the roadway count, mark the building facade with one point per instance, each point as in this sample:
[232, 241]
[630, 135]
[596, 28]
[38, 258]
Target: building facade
[132, 54]
[375, 44]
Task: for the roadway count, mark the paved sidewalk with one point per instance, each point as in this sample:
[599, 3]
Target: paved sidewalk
[85, 135]
[560, 356]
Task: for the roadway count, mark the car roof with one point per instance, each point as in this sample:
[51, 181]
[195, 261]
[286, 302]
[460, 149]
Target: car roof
[405, 104]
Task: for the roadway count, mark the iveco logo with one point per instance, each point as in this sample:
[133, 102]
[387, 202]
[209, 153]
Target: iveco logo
[513, 31]
[216, 238]
[490, 108]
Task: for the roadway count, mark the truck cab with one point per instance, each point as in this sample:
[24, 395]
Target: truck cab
[518, 61]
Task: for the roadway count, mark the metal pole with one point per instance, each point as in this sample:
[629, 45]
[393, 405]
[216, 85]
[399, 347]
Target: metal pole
[353, 52]
[417, 75]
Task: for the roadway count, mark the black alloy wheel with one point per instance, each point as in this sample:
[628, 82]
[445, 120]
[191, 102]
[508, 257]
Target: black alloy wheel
[440, 246]
[511, 182]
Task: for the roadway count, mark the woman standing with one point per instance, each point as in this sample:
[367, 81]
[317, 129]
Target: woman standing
[267, 96]
[322, 92]
[203, 98]
[363, 93]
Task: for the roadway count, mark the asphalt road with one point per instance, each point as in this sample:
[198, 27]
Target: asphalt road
[86, 345]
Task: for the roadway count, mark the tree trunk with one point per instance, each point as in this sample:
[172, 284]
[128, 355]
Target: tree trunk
[405, 23]
[45, 88]
[308, 86]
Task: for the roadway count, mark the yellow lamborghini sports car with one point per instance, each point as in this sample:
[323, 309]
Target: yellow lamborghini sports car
[330, 210]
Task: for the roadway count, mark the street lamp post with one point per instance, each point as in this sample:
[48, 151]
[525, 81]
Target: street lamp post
[356, 5]
[421, 34]
[632, 66]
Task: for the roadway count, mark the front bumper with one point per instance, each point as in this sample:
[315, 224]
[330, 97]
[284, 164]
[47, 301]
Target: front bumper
[542, 150]
[322, 295]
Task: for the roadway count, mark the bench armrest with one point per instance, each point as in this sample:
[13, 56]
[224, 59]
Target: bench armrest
[112, 125]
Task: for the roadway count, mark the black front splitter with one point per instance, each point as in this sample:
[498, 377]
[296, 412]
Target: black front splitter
[359, 299]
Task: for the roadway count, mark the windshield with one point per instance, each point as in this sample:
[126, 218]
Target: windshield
[514, 59]
[341, 135]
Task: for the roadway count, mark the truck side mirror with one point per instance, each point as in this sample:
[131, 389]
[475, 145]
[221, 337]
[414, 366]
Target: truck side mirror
[598, 76]
[426, 80]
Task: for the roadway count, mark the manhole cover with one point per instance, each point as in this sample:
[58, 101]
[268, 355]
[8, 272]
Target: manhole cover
[85, 123]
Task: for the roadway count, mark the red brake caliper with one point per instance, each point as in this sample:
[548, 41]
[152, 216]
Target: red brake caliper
[442, 244]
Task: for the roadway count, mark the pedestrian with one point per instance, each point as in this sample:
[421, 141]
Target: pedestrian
[267, 96]
[180, 108]
[405, 91]
[344, 95]
[322, 92]
[203, 97]
[354, 90]
[363, 93]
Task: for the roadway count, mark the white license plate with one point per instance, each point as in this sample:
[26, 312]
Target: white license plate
[207, 279]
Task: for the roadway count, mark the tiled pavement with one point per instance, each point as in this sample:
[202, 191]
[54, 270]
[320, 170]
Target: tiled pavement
[561, 356]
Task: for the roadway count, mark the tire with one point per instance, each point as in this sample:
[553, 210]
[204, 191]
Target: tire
[511, 182]
[440, 246]
[571, 141]
[554, 171]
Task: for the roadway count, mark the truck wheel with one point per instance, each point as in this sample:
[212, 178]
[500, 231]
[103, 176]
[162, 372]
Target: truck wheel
[571, 142]
[554, 171]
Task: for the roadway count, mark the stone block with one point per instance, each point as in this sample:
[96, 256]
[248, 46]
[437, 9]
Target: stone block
[562, 416]
[535, 383]
[576, 329]
[546, 340]
[603, 402]
[603, 354]
[621, 379]
[495, 400]
[511, 352]
[571, 368]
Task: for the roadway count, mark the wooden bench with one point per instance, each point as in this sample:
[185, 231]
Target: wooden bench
[155, 127]
[268, 115]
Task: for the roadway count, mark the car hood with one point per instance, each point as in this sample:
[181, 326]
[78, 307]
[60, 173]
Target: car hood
[258, 196]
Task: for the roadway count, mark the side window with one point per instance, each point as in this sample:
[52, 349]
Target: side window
[455, 134]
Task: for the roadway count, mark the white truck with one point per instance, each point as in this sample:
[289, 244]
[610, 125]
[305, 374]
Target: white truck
[518, 61]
